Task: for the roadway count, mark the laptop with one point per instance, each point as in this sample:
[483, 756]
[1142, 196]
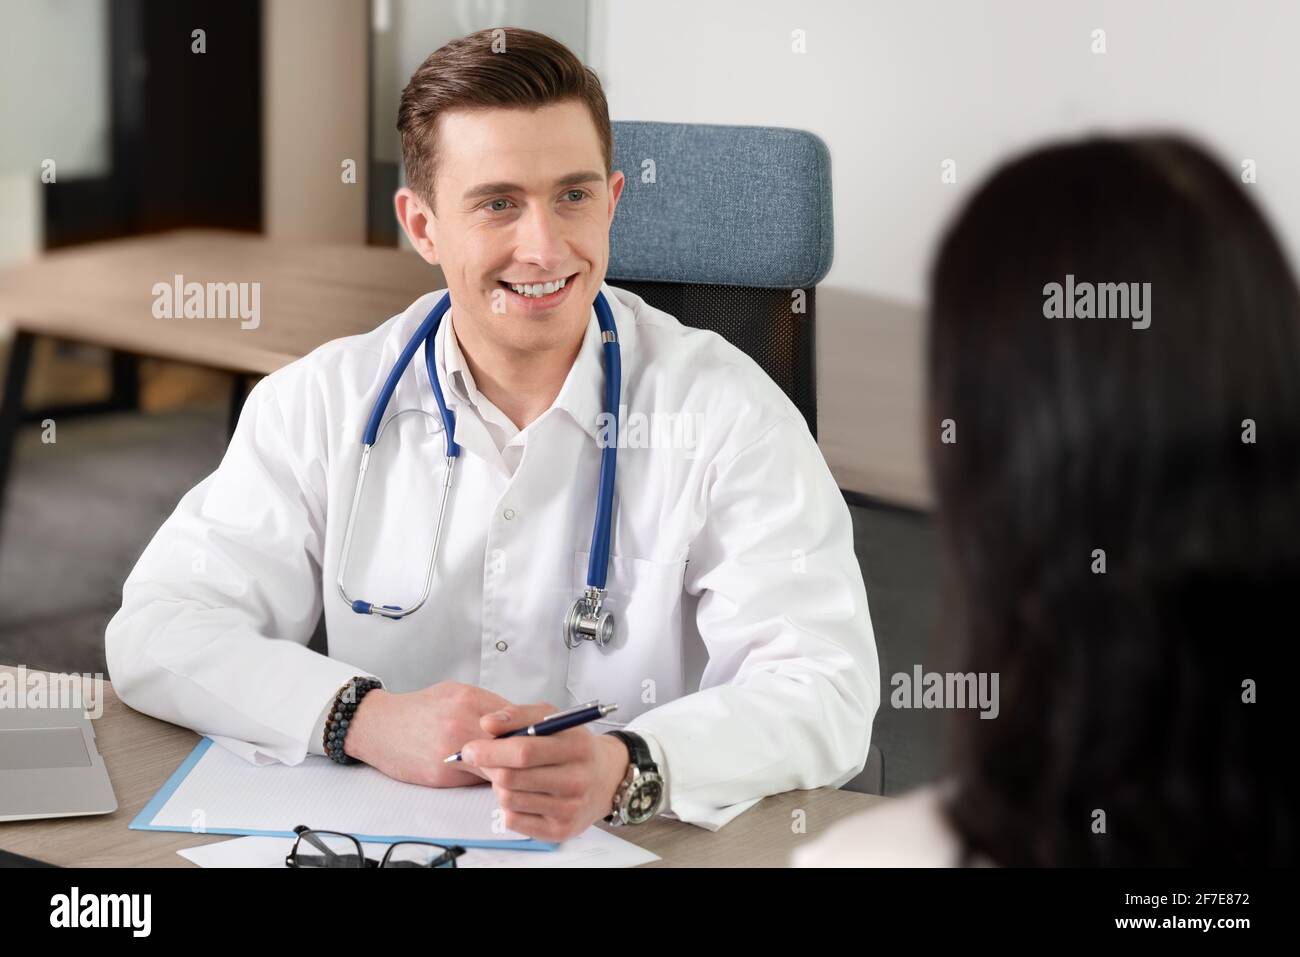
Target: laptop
[49, 765]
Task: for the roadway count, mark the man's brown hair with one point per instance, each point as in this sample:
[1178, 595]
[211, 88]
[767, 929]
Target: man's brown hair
[531, 71]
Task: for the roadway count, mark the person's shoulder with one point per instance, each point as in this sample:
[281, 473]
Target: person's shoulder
[355, 360]
[909, 831]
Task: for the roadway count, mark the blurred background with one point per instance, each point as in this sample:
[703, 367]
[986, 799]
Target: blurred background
[127, 120]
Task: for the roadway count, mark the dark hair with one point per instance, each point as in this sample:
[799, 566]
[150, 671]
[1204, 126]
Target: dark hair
[1120, 692]
[506, 67]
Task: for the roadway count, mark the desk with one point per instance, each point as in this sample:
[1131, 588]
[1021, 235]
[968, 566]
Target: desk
[102, 294]
[141, 753]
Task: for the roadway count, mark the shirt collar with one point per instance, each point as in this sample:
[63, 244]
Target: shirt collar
[457, 369]
[464, 390]
[581, 396]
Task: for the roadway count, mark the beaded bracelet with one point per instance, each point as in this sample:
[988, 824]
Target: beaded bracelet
[340, 716]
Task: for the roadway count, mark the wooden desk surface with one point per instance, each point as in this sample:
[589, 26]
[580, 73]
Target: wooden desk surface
[141, 753]
[102, 294]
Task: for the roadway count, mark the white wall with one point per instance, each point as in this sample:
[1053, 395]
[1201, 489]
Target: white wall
[894, 88]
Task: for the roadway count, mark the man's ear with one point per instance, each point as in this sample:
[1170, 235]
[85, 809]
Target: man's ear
[616, 183]
[418, 223]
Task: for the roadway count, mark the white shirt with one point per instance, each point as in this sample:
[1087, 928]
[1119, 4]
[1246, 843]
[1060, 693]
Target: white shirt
[505, 434]
[744, 651]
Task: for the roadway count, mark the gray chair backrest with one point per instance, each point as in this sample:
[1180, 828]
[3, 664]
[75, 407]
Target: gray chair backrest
[871, 779]
[720, 226]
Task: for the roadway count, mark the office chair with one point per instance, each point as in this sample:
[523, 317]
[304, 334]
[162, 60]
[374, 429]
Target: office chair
[871, 779]
[719, 226]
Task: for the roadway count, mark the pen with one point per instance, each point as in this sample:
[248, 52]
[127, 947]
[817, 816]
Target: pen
[552, 723]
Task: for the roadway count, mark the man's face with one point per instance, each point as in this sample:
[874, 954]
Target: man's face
[522, 199]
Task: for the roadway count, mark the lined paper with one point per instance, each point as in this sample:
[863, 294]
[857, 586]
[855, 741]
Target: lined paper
[224, 792]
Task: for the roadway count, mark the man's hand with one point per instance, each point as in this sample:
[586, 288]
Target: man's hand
[406, 736]
[553, 787]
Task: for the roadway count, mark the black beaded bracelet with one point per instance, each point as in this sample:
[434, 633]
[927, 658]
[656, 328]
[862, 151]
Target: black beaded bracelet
[340, 716]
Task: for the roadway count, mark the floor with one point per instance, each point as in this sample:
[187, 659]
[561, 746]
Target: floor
[80, 510]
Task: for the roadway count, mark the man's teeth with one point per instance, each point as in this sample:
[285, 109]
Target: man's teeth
[534, 290]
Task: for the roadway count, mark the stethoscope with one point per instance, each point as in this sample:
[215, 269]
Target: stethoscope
[585, 620]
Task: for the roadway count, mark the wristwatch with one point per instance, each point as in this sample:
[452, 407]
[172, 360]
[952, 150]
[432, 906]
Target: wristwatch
[641, 794]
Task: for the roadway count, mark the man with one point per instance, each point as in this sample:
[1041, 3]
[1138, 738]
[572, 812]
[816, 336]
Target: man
[743, 662]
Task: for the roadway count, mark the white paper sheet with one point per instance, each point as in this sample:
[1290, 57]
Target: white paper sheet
[593, 848]
[223, 791]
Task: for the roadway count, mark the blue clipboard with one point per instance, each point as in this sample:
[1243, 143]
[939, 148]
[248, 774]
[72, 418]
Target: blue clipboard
[143, 820]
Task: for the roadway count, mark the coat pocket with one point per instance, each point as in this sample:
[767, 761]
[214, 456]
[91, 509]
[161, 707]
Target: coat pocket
[643, 666]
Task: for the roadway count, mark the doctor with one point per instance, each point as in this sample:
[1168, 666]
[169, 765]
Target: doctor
[742, 658]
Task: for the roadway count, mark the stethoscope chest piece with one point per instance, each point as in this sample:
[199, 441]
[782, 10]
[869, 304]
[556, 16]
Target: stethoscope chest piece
[586, 622]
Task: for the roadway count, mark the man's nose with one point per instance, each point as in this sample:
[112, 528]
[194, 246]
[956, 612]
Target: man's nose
[539, 238]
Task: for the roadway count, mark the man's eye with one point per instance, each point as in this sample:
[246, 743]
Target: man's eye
[493, 205]
[576, 195]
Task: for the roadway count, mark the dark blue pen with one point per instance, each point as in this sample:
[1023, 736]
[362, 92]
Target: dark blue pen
[553, 723]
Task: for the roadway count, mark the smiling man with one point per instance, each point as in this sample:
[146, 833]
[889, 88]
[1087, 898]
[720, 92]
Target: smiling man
[742, 659]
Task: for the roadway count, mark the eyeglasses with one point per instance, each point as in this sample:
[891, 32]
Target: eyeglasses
[334, 849]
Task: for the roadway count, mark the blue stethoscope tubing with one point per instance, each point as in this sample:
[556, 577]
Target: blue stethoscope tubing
[585, 620]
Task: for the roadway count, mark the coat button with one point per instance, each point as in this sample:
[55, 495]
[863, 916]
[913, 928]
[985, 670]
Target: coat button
[502, 646]
[509, 514]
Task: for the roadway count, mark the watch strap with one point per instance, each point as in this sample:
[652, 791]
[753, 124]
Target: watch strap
[637, 749]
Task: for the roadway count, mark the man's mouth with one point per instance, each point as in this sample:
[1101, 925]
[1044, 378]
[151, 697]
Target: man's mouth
[539, 290]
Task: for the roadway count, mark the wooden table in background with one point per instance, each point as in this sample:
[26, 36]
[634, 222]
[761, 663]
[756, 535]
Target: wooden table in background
[142, 752]
[102, 294]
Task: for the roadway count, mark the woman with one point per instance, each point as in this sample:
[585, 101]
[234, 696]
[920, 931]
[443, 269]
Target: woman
[1119, 518]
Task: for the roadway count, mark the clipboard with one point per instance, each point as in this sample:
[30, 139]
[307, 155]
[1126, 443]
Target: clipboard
[214, 791]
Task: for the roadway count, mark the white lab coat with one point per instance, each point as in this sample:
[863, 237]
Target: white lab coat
[744, 649]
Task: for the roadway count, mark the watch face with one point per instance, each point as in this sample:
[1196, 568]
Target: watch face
[644, 797]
